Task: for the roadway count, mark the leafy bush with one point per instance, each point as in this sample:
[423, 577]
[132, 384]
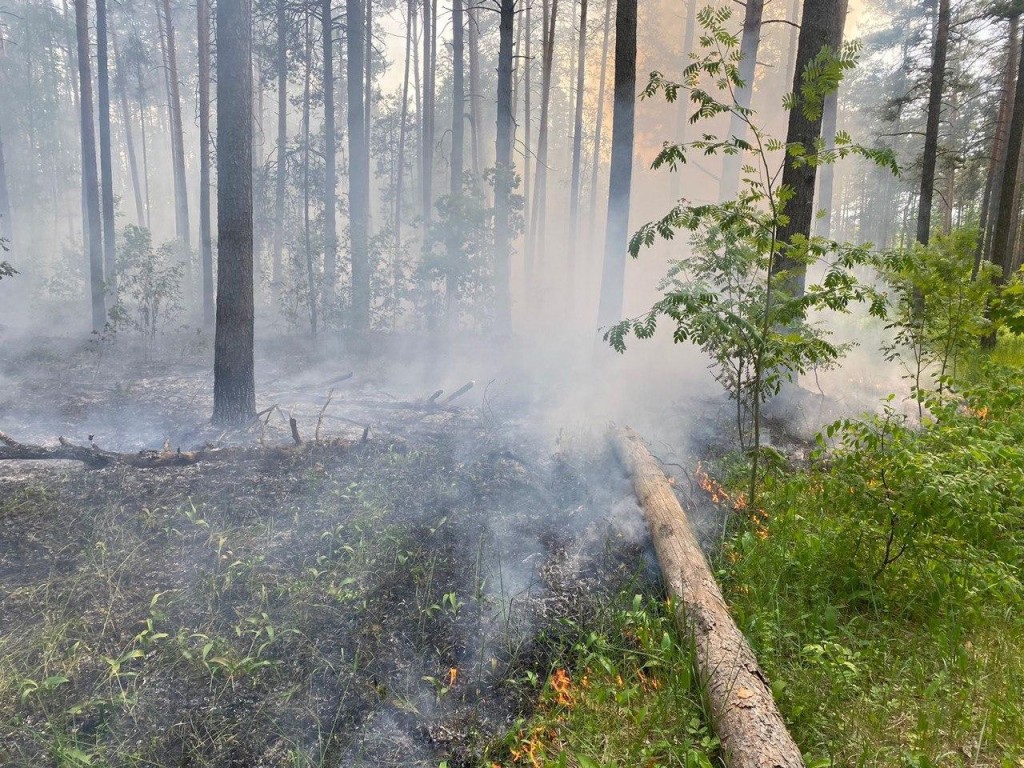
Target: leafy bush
[149, 283]
[882, 584]
[740, 296]
[938, 307]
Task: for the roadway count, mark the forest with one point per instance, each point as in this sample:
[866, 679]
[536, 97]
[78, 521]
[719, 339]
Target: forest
[512, 383]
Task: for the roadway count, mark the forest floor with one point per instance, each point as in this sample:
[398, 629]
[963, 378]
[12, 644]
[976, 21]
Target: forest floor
[402, 600]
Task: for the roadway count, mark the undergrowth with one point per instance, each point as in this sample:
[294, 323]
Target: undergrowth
[622, 694]
[881, 585]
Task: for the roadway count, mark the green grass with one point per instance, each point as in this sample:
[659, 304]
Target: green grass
[881, 586]
[623, 695]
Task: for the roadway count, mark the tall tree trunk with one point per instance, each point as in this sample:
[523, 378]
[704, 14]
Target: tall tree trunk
[931, 136]
[205, 235]
[6, 221]
[527, 145]
[683, 112]
[410, 46]
[143, 108]
[595, 160]
[621, 175]
[234, 387]
[535, 252]
[314, 294]
[475, 95]
[577, 150]
[458, 152]
[750, 44]
[121, 81]
[181, 218]
[997, 162]
[504, 172]
[92, 226]
[277, 266]
[1002, 236]
[949, 196]
[829, 128]
[359, 168]
[427, 129]
[330, 169]
[417, 93]
[822, 27]
[368, 88]
[106, 169]
[70, 46]
[789, 72]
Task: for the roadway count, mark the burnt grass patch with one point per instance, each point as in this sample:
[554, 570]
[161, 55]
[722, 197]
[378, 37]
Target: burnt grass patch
[378, 603]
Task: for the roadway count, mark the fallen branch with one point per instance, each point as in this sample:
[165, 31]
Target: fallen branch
[460, 391]
[97, 458]
[93, 456]
[743, 711]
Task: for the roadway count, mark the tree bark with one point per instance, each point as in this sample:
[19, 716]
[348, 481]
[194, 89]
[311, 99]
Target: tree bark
[92, 225]
[277, 264]
[789, 73]
[1003, 235]
[822, 27]
[181, 216]
[683, 112]
[410, 10]
[106, 167]
[997, 162]
[400, 171]
[527, 131]
[427, 129]
[359, 168]
[330, 163]
[313, 293]
[575, 191]
[6, 221]
[931, 136]
[621, 174]
[475, 95]
[457, 162]
[234, 387]
[743, 712]
[595, 161]
[504, 172]
[538, 222]
[829, 128]
[205, 236]
[368, 86]
[141, 96]
[750, 44]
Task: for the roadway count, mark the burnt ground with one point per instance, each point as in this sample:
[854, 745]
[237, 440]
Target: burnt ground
[349, 602]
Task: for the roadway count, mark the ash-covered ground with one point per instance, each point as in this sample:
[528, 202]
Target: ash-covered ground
[350, 601]
[344, 602]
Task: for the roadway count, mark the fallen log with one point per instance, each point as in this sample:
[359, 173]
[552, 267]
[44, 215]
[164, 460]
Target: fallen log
[743, 710]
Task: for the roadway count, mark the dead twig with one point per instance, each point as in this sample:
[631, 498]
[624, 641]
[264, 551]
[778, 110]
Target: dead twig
[320, 418]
